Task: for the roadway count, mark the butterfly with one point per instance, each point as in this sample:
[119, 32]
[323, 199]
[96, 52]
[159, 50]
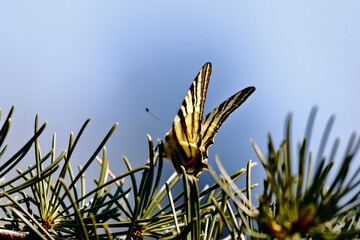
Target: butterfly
[188, 141]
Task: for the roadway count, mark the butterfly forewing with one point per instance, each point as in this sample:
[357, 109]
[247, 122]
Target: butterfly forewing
[187, 122]
[213, 121]
[183, 140]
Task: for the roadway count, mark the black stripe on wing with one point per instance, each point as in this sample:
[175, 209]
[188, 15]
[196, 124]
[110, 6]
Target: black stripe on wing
[213, 121]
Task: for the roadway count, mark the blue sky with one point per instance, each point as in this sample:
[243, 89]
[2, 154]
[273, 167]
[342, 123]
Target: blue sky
[110, 60]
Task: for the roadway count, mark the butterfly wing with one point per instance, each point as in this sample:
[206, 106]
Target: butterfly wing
[183, 141]
[213, 121]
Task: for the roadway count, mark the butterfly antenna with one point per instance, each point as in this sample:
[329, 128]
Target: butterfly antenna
[156, 117]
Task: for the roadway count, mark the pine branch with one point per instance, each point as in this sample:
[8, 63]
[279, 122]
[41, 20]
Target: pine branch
[301, 199]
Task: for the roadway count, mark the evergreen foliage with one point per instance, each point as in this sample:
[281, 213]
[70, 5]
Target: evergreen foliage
[49, 200]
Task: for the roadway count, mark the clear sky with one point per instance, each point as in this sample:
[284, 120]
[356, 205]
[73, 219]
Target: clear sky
[109, 60]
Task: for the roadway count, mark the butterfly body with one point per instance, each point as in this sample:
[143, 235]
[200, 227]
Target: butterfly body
[191, 135]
